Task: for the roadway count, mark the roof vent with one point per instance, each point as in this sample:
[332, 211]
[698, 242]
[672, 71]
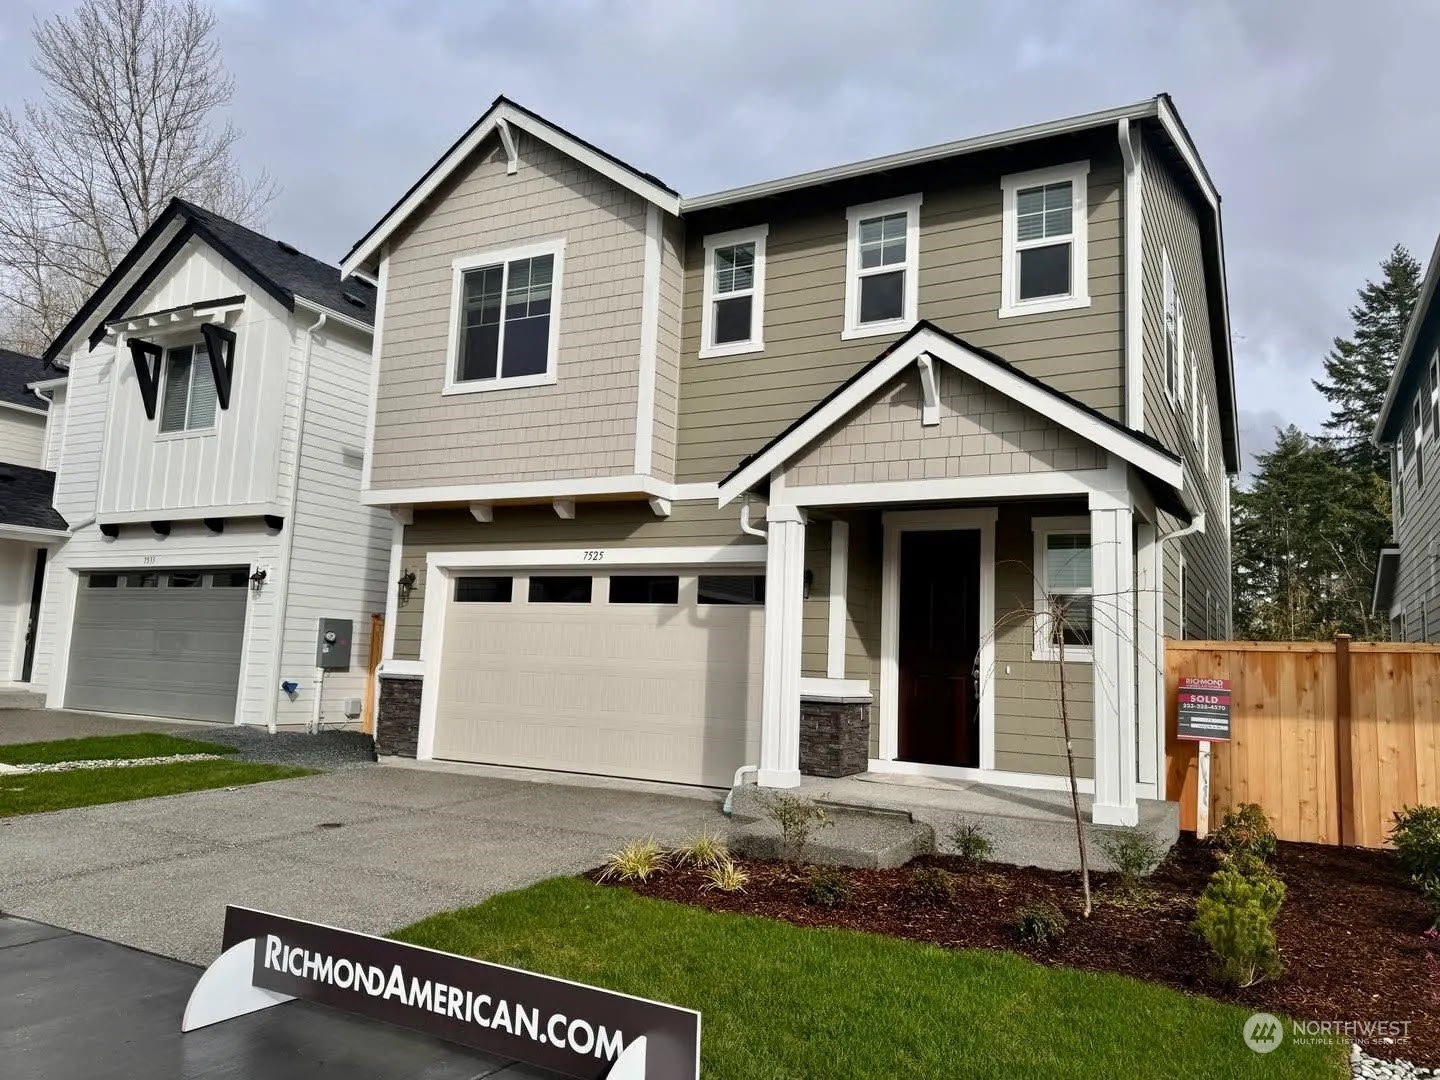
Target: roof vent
[351, 298]
[288, 248]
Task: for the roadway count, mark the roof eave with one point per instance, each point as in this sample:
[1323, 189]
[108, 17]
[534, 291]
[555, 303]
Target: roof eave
[1382, 436]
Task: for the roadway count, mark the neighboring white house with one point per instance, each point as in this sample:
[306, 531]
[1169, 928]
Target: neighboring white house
[212, 432]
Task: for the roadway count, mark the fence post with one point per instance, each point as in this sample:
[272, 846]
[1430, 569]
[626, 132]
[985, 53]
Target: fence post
[1345, 778]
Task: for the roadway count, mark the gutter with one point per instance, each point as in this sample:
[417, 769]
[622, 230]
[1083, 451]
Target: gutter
[287, 543]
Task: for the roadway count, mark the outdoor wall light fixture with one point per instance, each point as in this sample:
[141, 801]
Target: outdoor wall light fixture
[809, 581]
[257, 579]
[406, 583]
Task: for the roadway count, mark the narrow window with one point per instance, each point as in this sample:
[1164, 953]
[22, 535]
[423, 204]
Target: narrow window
[1194, 395]
[235, 578]
[483, 590]
[184, 579]
[560, 590]
[189, 403]
[644, 589]
[1044, 226]
[142, 580]
[1435, 389]
[732, 589]
[882, 263]
[505, 333]
[103, 581]
[734, 314]
[1170, 309]
[1063, 584]
[1415, 419]
[1419, 467]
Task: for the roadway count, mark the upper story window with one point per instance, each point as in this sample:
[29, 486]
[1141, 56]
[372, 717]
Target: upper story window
[882, 263]
[1434, 387]
[189, 398]
[505, 318]
[1044, 231]
[1194, 398]
[1415, 420]
[1063, 579]
[733, 319]
[1170, 308]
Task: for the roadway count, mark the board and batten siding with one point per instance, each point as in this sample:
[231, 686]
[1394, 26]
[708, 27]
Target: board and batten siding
[536, 528]
[238, 462]
[1170, 226]
[22, 437]
[55, 427]
[581, 426]
[341, 555]
[732, 406]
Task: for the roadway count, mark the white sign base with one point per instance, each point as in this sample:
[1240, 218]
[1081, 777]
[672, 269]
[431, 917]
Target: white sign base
[225, 989]
[1202, 792]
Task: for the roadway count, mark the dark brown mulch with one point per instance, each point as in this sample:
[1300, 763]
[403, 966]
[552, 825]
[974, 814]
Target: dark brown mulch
[1351, 932]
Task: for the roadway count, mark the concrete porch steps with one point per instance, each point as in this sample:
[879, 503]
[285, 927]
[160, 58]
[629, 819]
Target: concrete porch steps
[880, 817]
[20, 699]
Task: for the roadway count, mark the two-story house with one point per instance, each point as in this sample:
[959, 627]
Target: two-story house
[788, 476]
[212, 429]
[29, 524]
[1406, 588]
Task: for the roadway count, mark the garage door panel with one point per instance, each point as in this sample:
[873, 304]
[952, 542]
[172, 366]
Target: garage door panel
[662, 692]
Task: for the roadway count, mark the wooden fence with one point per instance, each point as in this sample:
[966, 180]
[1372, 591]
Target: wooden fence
[377, 648]
[1329, 737]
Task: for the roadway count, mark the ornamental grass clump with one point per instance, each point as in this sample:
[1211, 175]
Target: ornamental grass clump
[704, 850]
[725, 876]
[1416, 837]
[636, 861]
[970, 842]
[1236, 916]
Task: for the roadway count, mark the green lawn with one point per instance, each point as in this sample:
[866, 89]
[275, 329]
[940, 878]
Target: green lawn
[779, 1001]
[106, 748]
[35, 793]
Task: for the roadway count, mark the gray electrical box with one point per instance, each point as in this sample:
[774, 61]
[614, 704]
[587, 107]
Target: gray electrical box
[332, 646]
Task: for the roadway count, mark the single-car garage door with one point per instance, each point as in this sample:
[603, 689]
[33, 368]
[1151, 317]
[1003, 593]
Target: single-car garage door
[655, 676]
[159, 642]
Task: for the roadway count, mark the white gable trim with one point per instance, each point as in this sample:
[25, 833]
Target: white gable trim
[502, 114]
[927, 341]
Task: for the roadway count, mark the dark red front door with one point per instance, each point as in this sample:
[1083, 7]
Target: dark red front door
[939, 639]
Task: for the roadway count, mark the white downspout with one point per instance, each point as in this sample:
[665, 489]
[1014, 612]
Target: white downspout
[744, 770]
[1134, 329]
[287, 541]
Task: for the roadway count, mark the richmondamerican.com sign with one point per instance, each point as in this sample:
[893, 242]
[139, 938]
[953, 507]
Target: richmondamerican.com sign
[575, 1030]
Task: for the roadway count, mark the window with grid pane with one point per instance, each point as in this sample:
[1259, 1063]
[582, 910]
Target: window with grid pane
[734, 287]
[882, 268]
[1043, 225]
[505, 320]
[189, 390]
[1045, 237]
[1067, 583]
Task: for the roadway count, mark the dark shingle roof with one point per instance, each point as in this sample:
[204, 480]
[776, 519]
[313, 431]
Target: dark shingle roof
[16, 370]
[26, 498]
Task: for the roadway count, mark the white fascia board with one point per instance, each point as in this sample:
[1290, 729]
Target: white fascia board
[365, 251]
[17, 407]
[335, 316]
[41, 385]
[951, 489]
[597, 558]
[1045, 402]
[27, 534]
[119, 288]
[192, 513]
[640, 486]
[1407, 346]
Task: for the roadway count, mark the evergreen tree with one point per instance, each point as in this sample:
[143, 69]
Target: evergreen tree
[1358, 369]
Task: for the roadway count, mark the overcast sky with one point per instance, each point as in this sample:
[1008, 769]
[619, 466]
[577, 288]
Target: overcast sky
[1316, 118]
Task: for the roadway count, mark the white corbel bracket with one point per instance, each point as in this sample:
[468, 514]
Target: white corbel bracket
[482, 512]
[565, 509]
[930, 411]
[660, 506]
[507, 139]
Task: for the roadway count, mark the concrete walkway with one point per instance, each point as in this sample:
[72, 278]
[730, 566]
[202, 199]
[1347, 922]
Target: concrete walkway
[369, 849]
[18, 725]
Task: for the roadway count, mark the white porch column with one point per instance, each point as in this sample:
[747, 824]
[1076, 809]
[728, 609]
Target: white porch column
[1150, 659]
[1113, 638]
[784, 596]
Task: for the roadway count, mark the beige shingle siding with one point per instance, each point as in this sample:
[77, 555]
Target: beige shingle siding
[732, 406]
[1417, 581]
[596, 524]
[582, 426]
[1170, 224]
[981, 433]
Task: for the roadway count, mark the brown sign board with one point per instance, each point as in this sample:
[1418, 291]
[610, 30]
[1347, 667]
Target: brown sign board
[572, 1029]
[1203, 713]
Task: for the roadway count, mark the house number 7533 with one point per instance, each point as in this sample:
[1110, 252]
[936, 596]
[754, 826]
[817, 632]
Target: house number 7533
[594, 556]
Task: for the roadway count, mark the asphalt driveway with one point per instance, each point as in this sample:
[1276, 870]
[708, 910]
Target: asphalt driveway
[367, 848]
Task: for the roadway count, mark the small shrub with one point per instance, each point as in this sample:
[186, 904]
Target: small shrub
[702, 851]
[1236, 917]
[1248, 864]
[970, 842]
[1039, 924]
[828, 888]
[636, 861]
[1416, 836]
[1245, 828]
[932, 884]
[725, 876]
[797, 818]
[1134, 854]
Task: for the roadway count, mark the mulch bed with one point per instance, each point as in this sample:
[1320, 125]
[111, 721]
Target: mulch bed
[1351, 932]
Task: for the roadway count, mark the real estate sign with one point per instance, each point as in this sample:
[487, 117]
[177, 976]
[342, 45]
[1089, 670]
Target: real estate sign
[574, 1030]
[1204, 710]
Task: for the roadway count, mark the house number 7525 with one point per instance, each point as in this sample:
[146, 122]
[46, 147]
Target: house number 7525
[594, 556]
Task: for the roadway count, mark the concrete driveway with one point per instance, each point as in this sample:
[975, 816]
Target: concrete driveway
[368, 848]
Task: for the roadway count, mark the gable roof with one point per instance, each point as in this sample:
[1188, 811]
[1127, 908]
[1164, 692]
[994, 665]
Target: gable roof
[278, 268]
[26, 497]
[17, 371]
[498, 118]
[1141, 450]
[1419, 342]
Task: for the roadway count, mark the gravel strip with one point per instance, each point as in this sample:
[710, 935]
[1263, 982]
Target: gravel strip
[112, 763]
[325, 750]
[1365, 1067]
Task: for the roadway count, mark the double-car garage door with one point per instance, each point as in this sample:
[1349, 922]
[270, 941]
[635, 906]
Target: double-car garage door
[653, 675]
[159, 642]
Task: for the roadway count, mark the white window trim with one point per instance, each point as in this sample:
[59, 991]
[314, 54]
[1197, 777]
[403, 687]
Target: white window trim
[1076, 172]
[474, 261]
[1042, 649]
[910, 206]
[1174, 388]
[186, 431]
[1195, 400]
[756, 343]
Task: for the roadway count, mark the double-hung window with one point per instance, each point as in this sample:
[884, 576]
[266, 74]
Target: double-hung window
[1044, 231]
[505, 318]
[1063, 586]
[189, 391]
[882, 263]
[733, 319]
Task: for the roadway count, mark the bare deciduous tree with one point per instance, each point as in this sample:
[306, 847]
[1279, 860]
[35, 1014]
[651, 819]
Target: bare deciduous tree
[124, 123]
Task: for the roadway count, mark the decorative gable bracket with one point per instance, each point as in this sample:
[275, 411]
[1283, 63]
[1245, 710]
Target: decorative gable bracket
[220, 344]
[929, 389]
[146, 356]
